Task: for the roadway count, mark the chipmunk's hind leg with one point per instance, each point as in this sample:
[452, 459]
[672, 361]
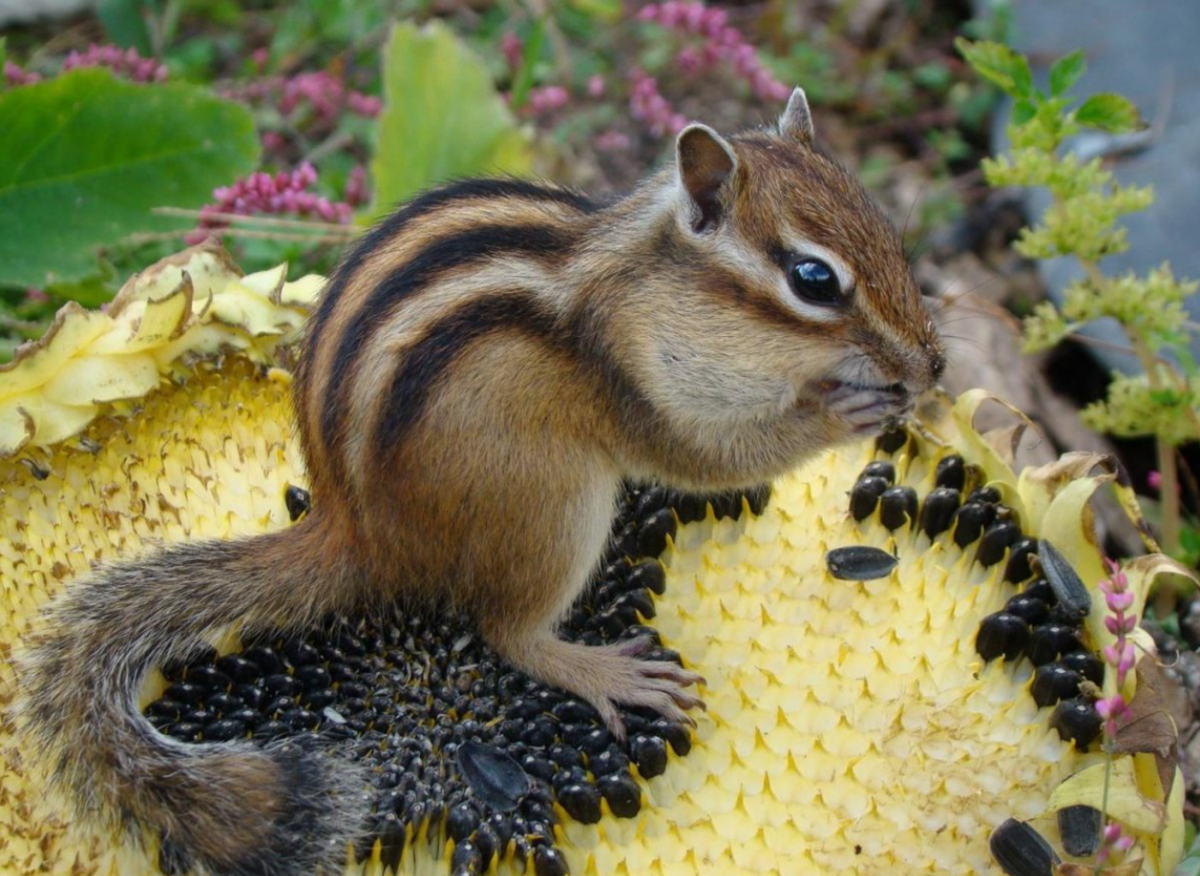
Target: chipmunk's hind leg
[606, 676]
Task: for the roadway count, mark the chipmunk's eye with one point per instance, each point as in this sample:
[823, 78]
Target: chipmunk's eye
[815, 282]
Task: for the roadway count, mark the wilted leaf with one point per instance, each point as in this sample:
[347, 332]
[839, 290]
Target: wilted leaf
[1066, 72]
[85, 157]
[442, 117]
[1112, 112]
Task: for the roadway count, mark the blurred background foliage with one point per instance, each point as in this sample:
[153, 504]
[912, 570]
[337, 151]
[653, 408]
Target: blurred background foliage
[135, 126]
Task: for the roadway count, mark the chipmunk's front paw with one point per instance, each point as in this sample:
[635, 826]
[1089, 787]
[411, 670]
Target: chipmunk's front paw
[868, 409]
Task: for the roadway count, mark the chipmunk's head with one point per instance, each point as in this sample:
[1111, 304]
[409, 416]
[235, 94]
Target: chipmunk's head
[791, 313]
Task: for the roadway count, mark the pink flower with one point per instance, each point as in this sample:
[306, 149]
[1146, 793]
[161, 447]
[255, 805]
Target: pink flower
[14, 75]
[647, 105]
[281, 193]
[595, 86]
[126, 63]
[1154, 480]
[547, 99]
[510, 45]
[722, 42]
[611, 141]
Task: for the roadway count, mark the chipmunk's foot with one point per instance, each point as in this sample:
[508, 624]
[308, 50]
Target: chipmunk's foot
[610, 676]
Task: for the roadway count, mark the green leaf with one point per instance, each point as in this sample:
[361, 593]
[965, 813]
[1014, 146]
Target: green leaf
[1112, 112]
[3, 54]
[441, 119]
[125, 22]
[607, 11]
[999, 65]
[1023, 110]
[1066, 72]
[529, 57]
[85, 157]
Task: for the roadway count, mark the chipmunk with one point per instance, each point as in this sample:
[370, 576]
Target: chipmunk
[483, 371]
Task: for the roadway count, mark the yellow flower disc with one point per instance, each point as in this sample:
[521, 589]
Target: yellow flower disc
[851, 726]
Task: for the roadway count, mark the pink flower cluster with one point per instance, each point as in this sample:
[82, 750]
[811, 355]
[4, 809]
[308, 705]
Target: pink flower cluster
[327, 96]
[546, 99]
[1114, 841]
[281, 193]
[1122, 656]
[123, 62]
[722, 42]
[647, 105]
[14, 75]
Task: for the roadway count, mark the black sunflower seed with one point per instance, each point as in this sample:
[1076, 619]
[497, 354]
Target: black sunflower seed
[951, 472]
[997, 539]
[653, 533]
[938, 511]
[1086, 664]
[1076, 719]
[1049, 640]
[970, 520]
[757, 498]
[860, 563]
[898, 506]
[581, 801]
[1018, 568]
[986, 495]
[892, 440]
[864, 496]
[466, 859]
[297, 501]
[549, 861]
[1021, 851]
[649, 753]
[1001, 634]
[1053, 682]
[622, 793]
[1072, 593]
[224, 730]
[880, 469]
[1028, 608]
[1079, 827]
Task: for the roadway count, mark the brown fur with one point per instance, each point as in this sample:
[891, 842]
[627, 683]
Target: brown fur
[483, 371]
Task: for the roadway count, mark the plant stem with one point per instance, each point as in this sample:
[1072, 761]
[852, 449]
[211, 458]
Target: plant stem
[1169, 525]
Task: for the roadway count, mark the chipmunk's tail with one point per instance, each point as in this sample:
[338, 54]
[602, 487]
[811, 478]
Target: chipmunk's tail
[233, 808]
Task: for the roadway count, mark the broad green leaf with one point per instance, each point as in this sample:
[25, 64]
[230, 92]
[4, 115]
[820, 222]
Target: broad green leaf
[529, 57]
[1066, 72]
[1112, 112]
[998, 64]
[125, 22]
[85, 157]
[441, 119]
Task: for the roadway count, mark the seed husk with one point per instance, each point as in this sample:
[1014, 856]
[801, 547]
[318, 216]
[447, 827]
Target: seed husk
[493, 775]
[1079, 827]
[1072, 593]
[1022, 851]
[860, 563]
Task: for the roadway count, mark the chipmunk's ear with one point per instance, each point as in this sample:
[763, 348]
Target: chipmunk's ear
[796, 122]
[706, 165]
